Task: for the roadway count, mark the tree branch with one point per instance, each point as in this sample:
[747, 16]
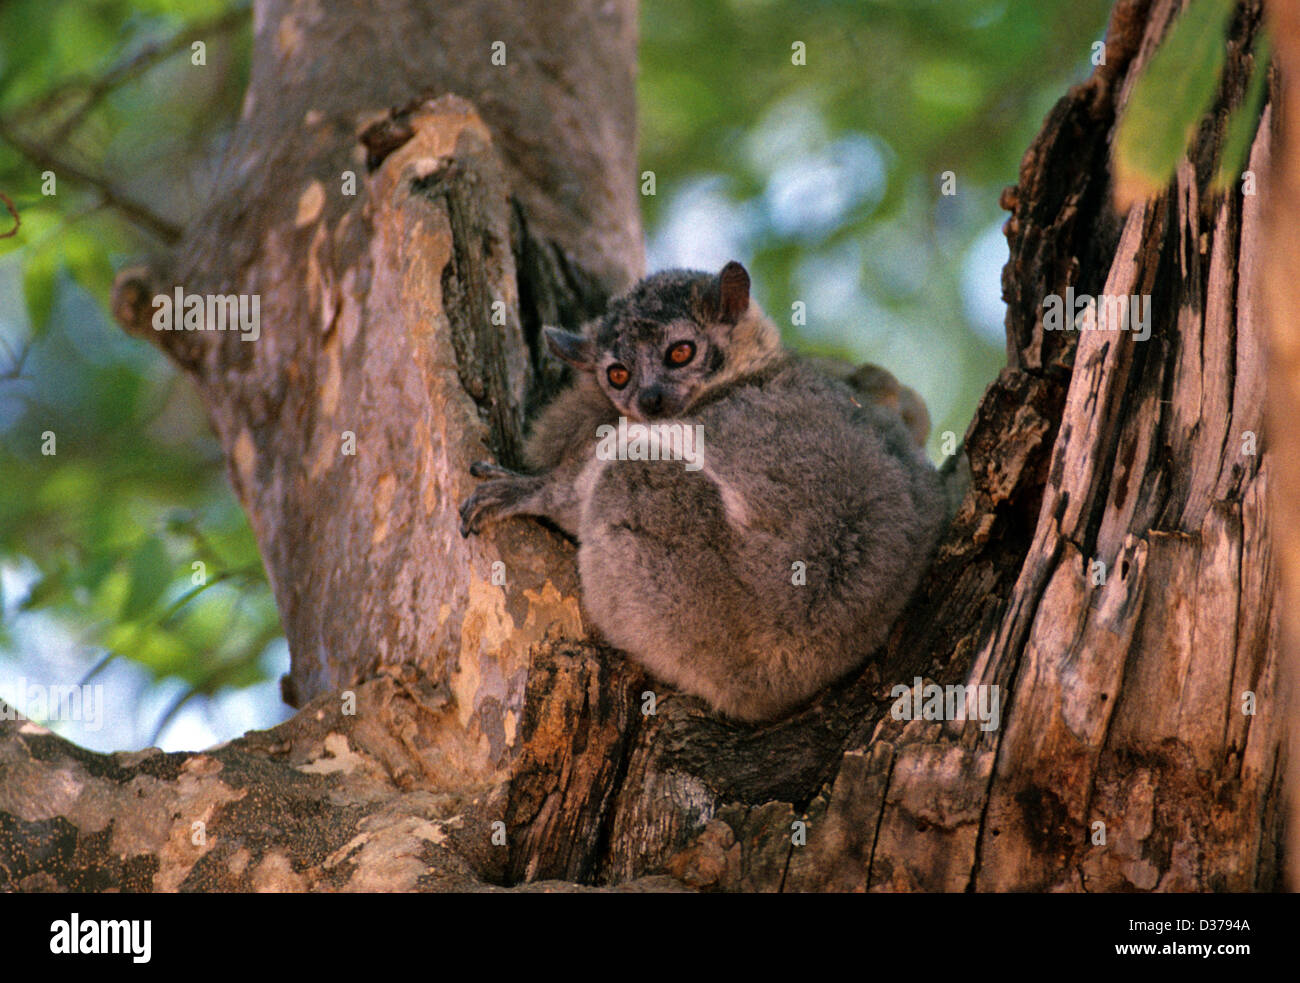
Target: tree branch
[43, 157]
[95, 88]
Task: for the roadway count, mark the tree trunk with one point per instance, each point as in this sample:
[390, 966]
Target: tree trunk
[493, 740]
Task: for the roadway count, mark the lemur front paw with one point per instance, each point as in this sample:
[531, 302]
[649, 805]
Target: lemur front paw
[503, 494]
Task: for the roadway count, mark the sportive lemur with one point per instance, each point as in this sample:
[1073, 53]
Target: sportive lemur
[773, 554]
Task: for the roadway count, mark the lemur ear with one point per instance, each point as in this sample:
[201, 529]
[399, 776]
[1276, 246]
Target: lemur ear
[573, 348]
[729, 293]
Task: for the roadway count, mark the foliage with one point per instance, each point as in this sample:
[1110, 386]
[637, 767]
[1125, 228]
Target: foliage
[103, 533]
[1173, 94]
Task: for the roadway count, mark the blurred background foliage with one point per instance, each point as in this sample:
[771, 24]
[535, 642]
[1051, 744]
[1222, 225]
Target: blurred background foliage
[824, 177]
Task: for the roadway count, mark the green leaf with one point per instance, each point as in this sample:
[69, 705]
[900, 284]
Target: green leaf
[47, 591]
[26, 37]
[150, 574]
[87, 260]
[97, 566]
[161, 652]
[1244, 120]
[40, 277]
[1170, 97]
[38, 222]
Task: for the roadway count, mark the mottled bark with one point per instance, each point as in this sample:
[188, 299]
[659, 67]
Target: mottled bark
[495, 742]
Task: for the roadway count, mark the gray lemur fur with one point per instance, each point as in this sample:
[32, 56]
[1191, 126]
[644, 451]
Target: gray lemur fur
[694, 573]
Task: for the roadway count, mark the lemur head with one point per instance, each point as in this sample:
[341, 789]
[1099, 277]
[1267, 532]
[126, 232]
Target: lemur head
[671, 339]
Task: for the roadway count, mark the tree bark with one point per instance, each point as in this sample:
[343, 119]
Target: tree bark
[1283, 307]
[493, 740]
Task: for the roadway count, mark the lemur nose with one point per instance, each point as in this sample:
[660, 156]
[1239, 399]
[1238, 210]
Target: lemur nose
[650, 401]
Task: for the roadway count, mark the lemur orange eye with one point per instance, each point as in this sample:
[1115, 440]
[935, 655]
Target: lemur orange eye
[680, 353]
[618, 376]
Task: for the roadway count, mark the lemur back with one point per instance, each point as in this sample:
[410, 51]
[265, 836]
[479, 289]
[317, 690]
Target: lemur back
[781, 563]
